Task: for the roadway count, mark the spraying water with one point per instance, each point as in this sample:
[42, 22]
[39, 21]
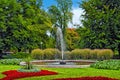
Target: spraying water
[60, 41]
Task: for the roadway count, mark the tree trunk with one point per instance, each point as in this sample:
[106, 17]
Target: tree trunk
[119, 51]
[0, 54]
[19, 50]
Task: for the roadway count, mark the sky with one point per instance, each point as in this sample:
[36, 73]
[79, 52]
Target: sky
[77, 12]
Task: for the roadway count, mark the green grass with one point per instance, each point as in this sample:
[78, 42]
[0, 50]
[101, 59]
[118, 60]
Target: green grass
[67, 72]
[7, 67]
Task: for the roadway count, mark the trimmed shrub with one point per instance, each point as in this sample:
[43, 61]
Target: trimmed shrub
[10, 61]
[86, 53]
[67, 55]
[20, 55]
[107, 64]
[93, 53]
[100, 54]
[80, 54]
[51, 54]
[105, 54]
[37, 54]
[76, 54]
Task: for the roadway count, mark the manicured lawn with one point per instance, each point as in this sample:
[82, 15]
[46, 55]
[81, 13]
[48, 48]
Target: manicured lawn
[7, 67]
[67, 72]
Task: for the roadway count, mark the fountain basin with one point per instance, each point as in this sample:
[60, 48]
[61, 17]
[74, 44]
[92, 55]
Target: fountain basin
[63, 63]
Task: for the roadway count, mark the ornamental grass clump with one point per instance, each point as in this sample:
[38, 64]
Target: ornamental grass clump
[76, 54]
[67, 55]
[37, 54]
[93, 53]
[80, 54]
[105, 54]
[86, 53]
[51, 53]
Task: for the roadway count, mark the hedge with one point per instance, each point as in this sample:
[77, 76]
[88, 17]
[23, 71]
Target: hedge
[51, 53]
[100, 54]
[37, 54]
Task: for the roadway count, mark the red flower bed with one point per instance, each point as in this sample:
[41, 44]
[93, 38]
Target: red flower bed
[14, 74]
[88, 78]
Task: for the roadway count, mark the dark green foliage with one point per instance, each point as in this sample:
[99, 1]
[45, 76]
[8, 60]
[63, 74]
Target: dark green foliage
[10, 61]
[107, 64]
[101, 19]
[28, 67]
[8, 56]
[20, 55]
[22, 25]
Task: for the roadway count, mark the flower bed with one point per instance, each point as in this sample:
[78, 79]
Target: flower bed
[14, 74]
[88, 78]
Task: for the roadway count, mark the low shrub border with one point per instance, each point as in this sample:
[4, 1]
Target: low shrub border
[10, 61]
[52, 53]
[107, 64]
[88, 78]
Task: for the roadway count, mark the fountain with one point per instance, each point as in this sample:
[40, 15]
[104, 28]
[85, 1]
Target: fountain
[62, 62]
[61, 43]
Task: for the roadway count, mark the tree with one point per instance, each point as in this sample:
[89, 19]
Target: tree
[72, 38]
[8, 12]
[61, 14]
[23, 24]
[101, 18]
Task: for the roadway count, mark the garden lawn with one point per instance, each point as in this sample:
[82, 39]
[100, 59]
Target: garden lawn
[67, 72]
[7, 67]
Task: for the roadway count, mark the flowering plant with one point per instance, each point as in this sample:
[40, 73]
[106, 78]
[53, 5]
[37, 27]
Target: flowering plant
[88, 78]
[14, 74]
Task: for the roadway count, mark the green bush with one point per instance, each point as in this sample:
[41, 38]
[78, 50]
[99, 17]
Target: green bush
[85, 53]
[80, 54]
[76, 54]
[104, 54]
[51, 54]
[10, 61]
[37, 54]
[20, 55]
[100, 54]
[67, 55]
[107, 64]
[93, 53]
[8, 56]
